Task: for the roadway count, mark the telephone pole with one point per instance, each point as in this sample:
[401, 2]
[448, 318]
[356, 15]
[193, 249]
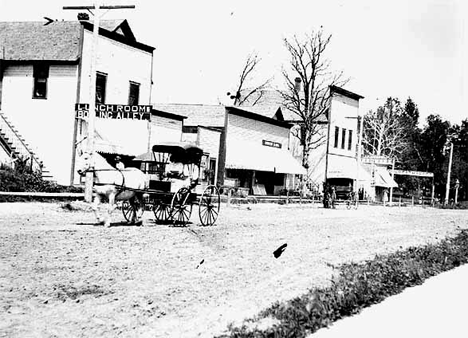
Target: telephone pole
[92, 84]
[447, 187]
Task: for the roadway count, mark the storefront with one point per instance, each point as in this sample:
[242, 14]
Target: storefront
[248, 152]
[254, 154]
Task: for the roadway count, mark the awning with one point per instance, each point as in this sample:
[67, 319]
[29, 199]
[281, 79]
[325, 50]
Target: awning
[262, 158]
[121, 137]
[104, 145]
[383, 179]
[341, 167]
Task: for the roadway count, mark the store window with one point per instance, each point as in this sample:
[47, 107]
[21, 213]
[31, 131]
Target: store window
[350, 139]
[40, 75]
[343, 138]
[101, 82]
[337, 135]
[134, 93]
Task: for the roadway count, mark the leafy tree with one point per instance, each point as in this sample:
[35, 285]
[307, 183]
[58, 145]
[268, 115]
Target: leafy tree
[410, 158]
[459, 135]
[433, 150]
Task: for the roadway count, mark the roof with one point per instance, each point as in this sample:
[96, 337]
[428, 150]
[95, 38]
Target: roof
[167, 115]
[213, 115]
[271, 104]
[197, 114]
[347, 93]
[241, 111]
[31, 41]
[58, 40]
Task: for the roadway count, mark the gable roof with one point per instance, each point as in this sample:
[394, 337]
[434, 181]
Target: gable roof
[197, 114]
[57, 41]
[241, 111]
[271, 105]
[118, 26]
[34, 41]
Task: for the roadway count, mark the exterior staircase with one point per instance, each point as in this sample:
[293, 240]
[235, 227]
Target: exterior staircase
[16, 147]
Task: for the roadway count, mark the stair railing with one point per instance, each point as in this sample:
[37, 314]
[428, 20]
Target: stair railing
[8, 130]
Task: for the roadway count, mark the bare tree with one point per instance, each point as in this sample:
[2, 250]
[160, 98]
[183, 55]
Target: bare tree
[385, 132]
[246, 92]
[307, 93]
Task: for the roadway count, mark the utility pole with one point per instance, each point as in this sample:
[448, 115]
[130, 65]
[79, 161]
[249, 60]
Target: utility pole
[92, 84]
[358, 158]
[447, 187]
[393, 178]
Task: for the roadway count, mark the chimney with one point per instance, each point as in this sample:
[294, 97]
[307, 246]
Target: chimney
[83, 16]
[297, 84]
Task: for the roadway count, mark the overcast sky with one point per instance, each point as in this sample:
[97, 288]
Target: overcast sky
[399, 48]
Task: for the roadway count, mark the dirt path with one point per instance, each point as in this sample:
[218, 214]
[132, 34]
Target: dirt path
[62, 276]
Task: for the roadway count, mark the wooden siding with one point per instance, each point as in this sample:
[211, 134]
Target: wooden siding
[46, 124]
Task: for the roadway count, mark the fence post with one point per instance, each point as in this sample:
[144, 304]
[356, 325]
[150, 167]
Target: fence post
[412, 201]
[399, 202]
[229, 197]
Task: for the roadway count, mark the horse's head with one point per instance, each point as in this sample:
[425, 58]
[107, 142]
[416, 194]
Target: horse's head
[84, 163]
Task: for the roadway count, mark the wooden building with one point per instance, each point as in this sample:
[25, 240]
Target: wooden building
[44, 72]
[247, 151]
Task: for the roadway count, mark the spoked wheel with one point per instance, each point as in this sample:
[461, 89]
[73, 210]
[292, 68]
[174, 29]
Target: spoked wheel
[162, 212]
[181, 207]
[132, 209]
[209, 205]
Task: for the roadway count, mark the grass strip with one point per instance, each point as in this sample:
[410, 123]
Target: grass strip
[358, 285]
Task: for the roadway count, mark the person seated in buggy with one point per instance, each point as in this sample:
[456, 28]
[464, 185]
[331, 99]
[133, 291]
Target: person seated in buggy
[187, 172]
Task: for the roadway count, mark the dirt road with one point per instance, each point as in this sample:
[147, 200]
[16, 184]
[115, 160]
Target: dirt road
[63, 276]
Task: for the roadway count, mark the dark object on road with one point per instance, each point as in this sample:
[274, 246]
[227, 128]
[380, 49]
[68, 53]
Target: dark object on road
[202, 261]
[278, 252]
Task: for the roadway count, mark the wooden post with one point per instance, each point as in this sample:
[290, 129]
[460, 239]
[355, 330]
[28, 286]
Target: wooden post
[447, 187]
[92, 86]
[228, 201]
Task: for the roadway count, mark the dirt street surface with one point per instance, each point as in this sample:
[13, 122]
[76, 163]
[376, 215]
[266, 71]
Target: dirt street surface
[61, 275]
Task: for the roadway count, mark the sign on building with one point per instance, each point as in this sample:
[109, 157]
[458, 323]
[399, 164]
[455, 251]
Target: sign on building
[412, 173]
[374, 159]
[115, 111]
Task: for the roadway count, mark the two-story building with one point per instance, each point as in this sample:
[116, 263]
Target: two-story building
[333, 156]
[45, 71]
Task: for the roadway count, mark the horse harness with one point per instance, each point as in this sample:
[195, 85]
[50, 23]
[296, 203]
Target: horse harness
[121, 187]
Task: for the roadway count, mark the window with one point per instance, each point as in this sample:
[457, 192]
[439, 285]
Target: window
[337, 135]
[101, 80]
[343, 138]
[350, 139]
[134, 93]
[40, 75]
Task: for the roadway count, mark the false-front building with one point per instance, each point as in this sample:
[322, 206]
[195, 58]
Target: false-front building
[45, 72]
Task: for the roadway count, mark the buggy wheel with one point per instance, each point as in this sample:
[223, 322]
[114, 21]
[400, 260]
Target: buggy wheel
[208, 209]
[181, 207]
[132, 209]
[162, 212]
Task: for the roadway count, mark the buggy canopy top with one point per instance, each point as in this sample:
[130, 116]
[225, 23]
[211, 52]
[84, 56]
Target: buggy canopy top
[185, 153]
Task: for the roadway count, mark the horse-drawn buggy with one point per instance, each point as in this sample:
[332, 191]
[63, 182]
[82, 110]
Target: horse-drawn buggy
[166, 180]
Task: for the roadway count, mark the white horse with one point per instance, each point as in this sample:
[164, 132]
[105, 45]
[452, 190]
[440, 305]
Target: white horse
[113, 184]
